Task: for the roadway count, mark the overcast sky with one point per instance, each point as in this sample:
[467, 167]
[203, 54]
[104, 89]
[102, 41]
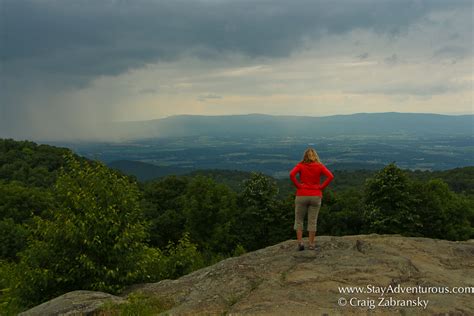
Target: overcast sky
[67, 66]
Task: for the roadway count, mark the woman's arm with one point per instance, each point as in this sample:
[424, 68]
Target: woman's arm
[328, 174]
[293, 173]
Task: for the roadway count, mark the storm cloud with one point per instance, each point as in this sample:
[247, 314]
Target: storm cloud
[91, 38]
[53, 46]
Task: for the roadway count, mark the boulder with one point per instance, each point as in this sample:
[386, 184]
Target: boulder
[415, 274]
[77, 303]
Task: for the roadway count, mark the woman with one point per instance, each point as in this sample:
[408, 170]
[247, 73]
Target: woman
[308, 194]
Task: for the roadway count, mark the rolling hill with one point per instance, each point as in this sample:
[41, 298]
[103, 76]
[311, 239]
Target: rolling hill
[392, 123]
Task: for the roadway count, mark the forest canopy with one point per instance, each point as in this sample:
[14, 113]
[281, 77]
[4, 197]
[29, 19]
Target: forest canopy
[69, 223]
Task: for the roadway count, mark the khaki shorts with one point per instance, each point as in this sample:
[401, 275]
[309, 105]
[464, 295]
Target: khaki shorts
[310, 205]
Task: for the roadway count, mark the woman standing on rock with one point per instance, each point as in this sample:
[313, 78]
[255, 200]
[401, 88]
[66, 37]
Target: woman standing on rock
[309, 193]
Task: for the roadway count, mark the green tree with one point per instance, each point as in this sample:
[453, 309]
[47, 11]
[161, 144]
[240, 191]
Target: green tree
[29, 163]
[21, 203]
[18, 204]
[390, 204]
[443, 213]
[13, 239]
[280, 225]
[93, 240]
[209, 208]
[163, 207]
[343, 215]
[182, 257]
[257, 215]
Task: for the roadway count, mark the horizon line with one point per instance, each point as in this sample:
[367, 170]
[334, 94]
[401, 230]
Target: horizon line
[288, 115]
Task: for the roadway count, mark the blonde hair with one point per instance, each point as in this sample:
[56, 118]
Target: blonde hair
[310, 155]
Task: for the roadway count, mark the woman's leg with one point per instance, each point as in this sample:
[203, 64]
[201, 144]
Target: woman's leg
[311, 235]
[300, 213]
[313, 210]
[299, 235]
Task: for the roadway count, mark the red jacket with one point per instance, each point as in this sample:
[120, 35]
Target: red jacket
[310, 177]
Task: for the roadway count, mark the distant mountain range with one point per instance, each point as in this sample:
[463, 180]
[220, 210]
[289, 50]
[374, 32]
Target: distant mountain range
[145, 171]
[380, 124]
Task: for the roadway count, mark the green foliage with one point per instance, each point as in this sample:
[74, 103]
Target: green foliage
[93, 240]
[443, 213]
[341, 213]
[13, 238]
[182, 258]
[10, 304]
[136, 304]
[18, 204]
[29, 163]
[459, 180]
[390, 206]
[175, 260]
[397, 204]
[163, 208]
[231, 178]
[258, 212]
[238, 251]
[96, 229]
[208, 207]
[280, 220]
[259, 190]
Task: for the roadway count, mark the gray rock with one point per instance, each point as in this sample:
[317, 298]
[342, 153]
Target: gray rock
[73, 303]
[278, 280]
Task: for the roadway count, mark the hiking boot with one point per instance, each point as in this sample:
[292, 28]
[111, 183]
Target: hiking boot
[300, 247]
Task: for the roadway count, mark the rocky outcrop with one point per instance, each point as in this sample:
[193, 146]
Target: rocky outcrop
[76, 303]
[278, 280]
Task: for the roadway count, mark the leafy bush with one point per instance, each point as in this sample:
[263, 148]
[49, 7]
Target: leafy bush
[10, 302]
[443, 213]
[209, 208]
[182, 258]
[396, 204]
[257, 212]
[18, 204]
[94, 239]
[136, 304]
[390, 204]
[13, 238]
[163, 207]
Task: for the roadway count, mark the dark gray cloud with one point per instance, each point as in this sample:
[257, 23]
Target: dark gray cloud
[87, 38]
[50, 47]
